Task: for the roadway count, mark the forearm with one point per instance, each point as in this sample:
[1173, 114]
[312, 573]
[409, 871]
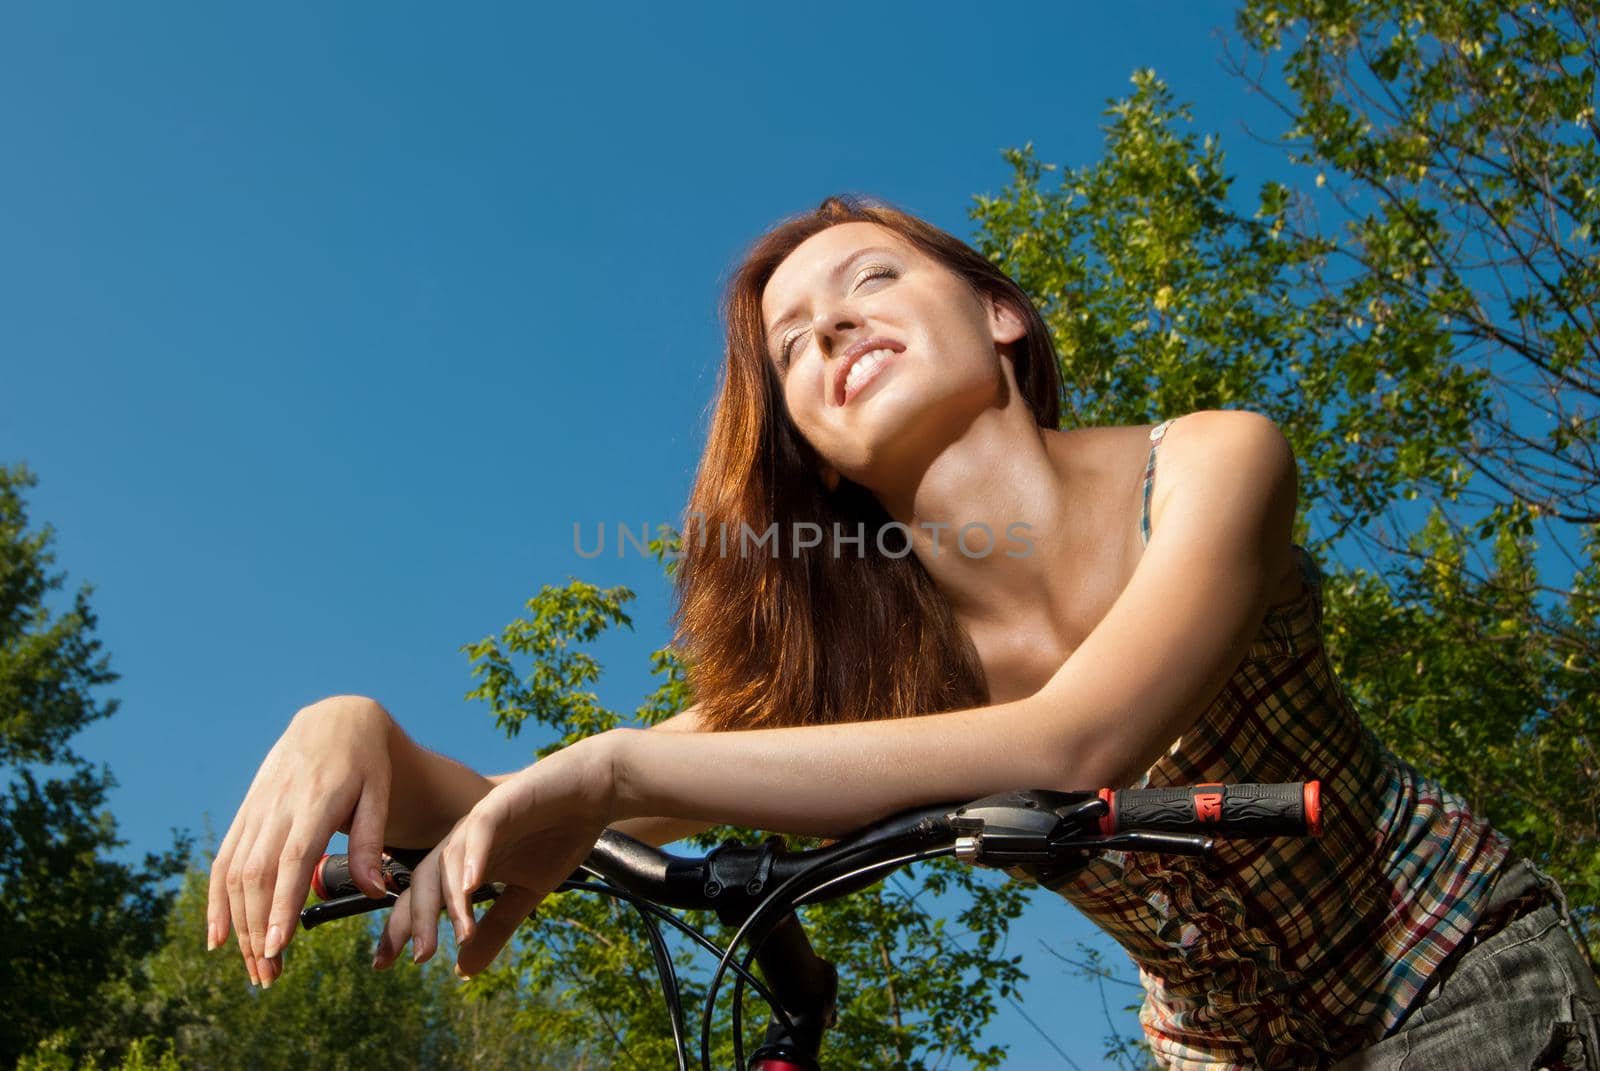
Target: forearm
[428, 794]
[659, 831]
[431, 792]
[830, 780]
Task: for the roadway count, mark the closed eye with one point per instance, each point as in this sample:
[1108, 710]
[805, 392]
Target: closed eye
[873, 271]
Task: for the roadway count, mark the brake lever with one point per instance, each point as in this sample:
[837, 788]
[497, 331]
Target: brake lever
[1140, 841]
[1043, 827]
[1022, 827]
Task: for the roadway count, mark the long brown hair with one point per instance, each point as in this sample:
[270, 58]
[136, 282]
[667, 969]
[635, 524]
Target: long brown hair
[774, 639]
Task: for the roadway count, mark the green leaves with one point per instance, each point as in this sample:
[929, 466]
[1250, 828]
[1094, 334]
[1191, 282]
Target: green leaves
[1432, 352]
[77, 916]
[551, 692]
[1460, 135]
[328, 1010]
[49, 665]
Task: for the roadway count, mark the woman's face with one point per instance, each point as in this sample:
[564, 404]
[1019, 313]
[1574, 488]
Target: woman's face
[857, 293]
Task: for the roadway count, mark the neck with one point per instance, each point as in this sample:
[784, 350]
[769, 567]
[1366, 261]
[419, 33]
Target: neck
[989, 514]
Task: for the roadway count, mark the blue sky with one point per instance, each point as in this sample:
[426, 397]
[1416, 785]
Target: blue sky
[323, 325]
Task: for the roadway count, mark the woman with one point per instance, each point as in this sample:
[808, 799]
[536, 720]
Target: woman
[902, 585]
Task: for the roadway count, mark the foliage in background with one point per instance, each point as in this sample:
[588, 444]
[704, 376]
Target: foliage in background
[330, 1009]
[1433, 365]
[74, 916]
[1459, 140]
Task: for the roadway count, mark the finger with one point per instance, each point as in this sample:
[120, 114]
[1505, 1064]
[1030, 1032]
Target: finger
[455, 900]
[478, 835]
[396, 932]
[260, 877]
[217, 914]
[366, 833]
[299, 855]
[424, 894]
[241, 923]
[497, 926]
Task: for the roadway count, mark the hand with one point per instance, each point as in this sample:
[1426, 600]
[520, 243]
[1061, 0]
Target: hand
[330, 770]
[530, 833]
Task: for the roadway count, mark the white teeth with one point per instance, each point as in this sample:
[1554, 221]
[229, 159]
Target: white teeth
[864, 365]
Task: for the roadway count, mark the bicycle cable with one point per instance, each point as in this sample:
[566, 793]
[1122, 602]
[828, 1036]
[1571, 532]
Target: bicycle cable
[741, 972]
[771, 905]
[669, 984]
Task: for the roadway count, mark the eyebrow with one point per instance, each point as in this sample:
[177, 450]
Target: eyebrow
[838, 270]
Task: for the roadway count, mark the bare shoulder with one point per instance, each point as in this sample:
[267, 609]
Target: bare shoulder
[1236, 447]
[1197, 441]
[1228, 476]
[686, 720]
[1232, 465]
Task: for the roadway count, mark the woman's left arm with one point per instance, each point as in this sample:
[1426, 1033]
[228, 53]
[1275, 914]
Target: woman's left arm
[1221, 524]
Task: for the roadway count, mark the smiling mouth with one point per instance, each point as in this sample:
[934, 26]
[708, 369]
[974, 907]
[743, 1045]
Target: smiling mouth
[873, 366]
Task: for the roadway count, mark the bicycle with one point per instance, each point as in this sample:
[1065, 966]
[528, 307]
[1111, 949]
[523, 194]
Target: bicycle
[757, 887]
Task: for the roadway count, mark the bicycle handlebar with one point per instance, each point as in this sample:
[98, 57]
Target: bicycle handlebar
[1036, 826]
[757, 887]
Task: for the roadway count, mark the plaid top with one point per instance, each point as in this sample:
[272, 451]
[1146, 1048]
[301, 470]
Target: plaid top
[1291, 952]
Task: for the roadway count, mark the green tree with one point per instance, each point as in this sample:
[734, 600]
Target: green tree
[76, 916]
[1459, 140]
[1167, 298]
[1432, 360]
[329, 1010]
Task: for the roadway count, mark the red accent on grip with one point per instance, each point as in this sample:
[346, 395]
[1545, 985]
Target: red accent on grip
[1312, 795]
[316, 878]
[1108, 821]
[1208, 805]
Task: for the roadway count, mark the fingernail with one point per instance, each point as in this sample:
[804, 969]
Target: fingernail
[468, 878]
[376, 877]
[274, 940]
[211, 937]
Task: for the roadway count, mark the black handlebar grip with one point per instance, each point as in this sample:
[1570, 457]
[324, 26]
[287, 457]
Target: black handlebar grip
[331, 877]
[1285, 810]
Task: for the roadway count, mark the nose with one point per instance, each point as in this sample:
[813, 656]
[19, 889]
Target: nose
[831, 325]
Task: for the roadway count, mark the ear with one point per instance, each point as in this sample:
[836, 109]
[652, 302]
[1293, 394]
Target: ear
[1005, 323]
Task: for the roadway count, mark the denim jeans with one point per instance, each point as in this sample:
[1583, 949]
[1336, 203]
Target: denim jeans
[1523, 998]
